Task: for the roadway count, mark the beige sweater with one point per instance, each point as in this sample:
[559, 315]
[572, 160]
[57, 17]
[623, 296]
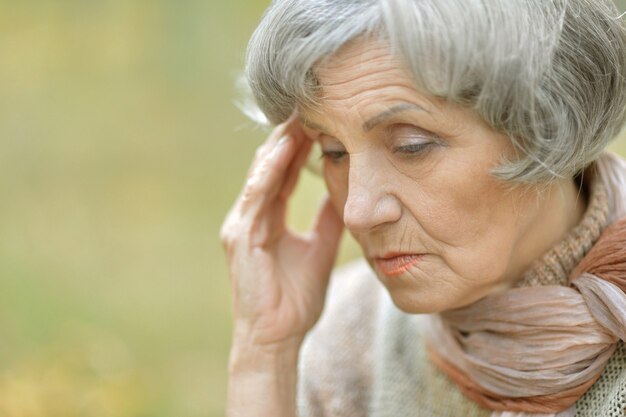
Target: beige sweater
[365, 357]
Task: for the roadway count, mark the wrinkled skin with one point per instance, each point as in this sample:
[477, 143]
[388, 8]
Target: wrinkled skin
[419, 181]
[278, 278]
[406, 173]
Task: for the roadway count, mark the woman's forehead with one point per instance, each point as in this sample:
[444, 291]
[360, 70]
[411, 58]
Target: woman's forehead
[363, 59]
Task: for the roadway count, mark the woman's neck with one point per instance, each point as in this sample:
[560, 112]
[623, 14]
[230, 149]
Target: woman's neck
[560, 208]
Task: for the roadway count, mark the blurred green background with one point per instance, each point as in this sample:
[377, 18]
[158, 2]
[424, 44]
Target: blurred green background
[121, 152]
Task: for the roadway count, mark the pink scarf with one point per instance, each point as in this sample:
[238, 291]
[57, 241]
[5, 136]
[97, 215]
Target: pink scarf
[534, 351]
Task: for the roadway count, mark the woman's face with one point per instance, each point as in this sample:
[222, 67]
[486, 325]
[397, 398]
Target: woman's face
[410, 174]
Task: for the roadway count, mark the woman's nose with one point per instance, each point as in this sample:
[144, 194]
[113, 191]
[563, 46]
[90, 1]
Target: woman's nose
[369, 203]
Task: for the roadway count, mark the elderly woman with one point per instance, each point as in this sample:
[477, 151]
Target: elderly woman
[462, 145]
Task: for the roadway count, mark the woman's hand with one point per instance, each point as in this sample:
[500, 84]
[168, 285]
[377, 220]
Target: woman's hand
[279, 278]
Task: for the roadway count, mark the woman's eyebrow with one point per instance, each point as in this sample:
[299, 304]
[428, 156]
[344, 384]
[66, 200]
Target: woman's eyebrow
[372, 122]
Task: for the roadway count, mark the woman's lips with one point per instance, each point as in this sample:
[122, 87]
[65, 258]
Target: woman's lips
[396, 265]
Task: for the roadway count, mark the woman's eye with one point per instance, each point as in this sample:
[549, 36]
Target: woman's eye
[333, 156]
[413, 149]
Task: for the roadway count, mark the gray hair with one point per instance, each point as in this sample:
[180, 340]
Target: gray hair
[550, 74]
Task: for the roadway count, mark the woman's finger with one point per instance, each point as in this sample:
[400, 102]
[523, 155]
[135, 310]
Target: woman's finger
[267, 174]
[326, 235]
[265, 157]
[257, 209]
[294, 169]
[272, 224]
[271, 142]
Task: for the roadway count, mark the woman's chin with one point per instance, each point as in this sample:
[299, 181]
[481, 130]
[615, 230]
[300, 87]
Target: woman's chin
[415, 301]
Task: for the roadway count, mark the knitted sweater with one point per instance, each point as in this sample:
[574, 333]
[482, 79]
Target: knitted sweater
[365, 357]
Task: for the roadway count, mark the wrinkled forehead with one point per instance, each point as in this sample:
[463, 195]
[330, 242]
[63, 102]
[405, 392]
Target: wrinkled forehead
[362, 79]
[360, 63]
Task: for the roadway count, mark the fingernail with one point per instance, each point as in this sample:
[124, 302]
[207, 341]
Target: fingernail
[279, 146]
[283, 140]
